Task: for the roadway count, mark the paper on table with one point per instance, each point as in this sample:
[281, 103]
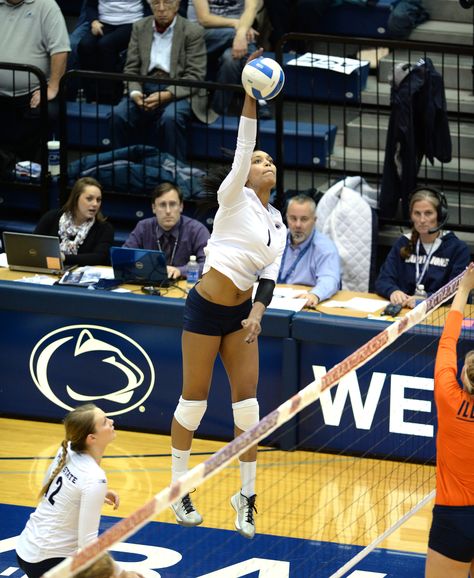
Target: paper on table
[3, 260]
[284, 298]
[86, 275]
[287, 303]
[363, 304]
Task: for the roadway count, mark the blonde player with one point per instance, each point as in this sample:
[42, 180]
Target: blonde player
[68, 514]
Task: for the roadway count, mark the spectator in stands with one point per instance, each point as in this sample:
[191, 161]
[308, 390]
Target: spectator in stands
[81, 29]
[161, 47]
[427, 256]
[310, 258]
[171, 231]
[32, 32]
[451, 540]
[301, 16]
[84, 234]
[102, 46]
[230, 38]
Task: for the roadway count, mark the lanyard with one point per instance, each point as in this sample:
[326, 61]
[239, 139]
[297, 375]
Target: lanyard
[419, 276]
[283, 278]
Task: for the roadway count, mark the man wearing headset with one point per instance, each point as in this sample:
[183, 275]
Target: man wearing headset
[427, 257]
[170, 231]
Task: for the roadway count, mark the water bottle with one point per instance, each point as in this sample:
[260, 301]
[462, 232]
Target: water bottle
[192, 272]
[420, 294]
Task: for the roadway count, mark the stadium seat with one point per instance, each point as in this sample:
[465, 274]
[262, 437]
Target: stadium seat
[88, 125]
[305, 144]
[369, 21]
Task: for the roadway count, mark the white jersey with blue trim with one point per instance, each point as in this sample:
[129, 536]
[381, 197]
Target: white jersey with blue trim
[248, 239]
[68, 517]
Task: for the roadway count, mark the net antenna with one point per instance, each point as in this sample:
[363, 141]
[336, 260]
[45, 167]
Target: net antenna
[213, 465]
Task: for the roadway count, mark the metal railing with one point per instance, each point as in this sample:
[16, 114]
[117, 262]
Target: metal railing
[358, 105]
[363, 120]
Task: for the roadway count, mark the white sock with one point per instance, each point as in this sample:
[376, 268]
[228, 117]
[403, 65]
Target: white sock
[248, 473]
[179, 463]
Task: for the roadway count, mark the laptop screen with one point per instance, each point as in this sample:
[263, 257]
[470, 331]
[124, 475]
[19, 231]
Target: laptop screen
[139, 266]
[34, 253]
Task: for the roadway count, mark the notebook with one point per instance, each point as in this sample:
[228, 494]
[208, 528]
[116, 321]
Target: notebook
[34, 253]
[139, 266]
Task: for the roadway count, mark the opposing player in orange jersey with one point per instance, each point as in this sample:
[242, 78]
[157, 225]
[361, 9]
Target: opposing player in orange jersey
[451, 541]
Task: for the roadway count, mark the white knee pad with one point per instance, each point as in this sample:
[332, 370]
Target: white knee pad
[188, 413]
[246, 413]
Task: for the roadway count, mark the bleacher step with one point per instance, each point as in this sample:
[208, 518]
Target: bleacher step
[378, 93]
[443, 32]
[448, 10]
[456, 70]
[370, 131]
[354, 160]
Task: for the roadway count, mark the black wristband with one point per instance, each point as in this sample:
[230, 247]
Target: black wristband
[264, 291]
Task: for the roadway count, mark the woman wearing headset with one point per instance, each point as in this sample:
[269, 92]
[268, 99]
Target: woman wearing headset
[428, 256]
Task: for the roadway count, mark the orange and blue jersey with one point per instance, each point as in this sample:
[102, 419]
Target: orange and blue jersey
[455, 439]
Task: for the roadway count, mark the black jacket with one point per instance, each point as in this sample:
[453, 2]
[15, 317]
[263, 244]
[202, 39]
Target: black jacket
[418, 127]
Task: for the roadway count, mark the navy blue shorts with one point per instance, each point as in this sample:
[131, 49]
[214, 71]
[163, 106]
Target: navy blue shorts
[452, 532]
[202, 316]
[37, 569]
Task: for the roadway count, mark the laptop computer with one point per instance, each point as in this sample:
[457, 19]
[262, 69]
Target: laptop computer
[33, 253]
[139, 266]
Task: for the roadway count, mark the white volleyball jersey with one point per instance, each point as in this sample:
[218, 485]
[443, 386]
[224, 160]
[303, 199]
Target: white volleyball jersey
[248, 239]
[68, 517]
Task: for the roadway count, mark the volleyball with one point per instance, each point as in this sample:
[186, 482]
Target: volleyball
[263, 78]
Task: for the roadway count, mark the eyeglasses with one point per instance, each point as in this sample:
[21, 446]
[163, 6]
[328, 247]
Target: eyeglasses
[164, 206]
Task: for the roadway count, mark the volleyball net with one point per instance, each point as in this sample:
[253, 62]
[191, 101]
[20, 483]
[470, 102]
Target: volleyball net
[334, 493]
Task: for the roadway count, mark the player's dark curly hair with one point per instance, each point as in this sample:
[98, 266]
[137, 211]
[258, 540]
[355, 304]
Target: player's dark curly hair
[213, 180]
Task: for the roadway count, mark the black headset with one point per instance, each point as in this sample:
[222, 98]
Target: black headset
[442, 208]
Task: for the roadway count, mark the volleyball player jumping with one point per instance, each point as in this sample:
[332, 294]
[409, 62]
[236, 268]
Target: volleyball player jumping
[246, 245]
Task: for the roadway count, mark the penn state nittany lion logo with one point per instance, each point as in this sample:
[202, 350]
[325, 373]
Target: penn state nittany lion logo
[90, 363]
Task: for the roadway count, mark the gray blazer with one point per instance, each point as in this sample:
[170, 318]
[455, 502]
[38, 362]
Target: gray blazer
[188, 60]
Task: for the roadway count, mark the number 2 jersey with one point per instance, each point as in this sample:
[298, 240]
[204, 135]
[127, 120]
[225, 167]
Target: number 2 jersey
[68, 517]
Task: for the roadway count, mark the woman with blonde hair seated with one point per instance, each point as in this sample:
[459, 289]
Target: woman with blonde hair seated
[426, 258]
